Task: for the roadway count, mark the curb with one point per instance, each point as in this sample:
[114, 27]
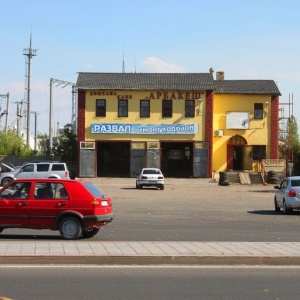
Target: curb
[152, 260]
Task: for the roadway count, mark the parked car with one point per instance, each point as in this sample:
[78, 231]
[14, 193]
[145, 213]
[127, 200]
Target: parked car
[288, 195]
[76, 208]
[37, 170]
[7, 168]
[150, 177]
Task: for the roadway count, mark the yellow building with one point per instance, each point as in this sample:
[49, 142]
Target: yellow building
[186, 124]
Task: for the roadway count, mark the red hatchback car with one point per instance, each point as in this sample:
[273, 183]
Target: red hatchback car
[77, 208]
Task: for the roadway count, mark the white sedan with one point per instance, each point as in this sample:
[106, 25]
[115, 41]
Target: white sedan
[287, 196]
[150, 177]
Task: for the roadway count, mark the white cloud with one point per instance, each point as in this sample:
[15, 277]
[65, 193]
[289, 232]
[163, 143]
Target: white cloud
[153, 64]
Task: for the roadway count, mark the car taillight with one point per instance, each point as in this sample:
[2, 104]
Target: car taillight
[66, 173]
[144, 177]
[160, 177]
[292, 193]
[97, 203]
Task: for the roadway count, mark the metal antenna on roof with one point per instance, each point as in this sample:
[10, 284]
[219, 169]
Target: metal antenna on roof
[123, 66]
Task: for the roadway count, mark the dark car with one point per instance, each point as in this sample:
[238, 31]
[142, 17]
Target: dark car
[77, 208]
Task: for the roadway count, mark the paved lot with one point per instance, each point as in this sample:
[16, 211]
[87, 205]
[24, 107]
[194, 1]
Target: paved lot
[154, 252]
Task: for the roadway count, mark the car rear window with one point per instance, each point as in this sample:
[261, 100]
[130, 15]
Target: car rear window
[42, 168]
[151, 172]
[58, 167]
[96, 192]
[295, 182]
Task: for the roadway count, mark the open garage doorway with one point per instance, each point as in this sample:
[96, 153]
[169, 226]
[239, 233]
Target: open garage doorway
[113, 159]
[177, 159]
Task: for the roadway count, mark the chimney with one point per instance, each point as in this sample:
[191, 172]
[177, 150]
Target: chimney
[220, 75]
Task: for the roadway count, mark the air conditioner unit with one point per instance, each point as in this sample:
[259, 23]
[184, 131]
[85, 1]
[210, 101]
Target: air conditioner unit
[218, 133]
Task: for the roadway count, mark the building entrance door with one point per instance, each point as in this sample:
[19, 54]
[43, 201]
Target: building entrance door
[113, 159]
[235, 150]
[237, 158]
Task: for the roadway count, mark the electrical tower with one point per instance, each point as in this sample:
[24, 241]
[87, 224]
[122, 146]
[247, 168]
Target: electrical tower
[74, 106]
[29, 53]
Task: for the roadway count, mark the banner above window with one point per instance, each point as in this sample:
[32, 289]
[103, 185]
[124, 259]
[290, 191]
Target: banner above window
[144, 128]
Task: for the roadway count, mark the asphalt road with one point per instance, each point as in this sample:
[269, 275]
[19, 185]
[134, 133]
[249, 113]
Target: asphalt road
[144, 282]
[187, 210]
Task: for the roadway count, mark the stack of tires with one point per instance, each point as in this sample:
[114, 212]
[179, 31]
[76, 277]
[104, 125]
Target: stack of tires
[272, 177]
[223, 179]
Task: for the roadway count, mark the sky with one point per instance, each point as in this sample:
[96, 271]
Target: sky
[258, 39]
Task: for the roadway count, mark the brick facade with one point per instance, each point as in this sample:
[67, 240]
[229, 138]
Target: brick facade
[209, 128]
[274, 127]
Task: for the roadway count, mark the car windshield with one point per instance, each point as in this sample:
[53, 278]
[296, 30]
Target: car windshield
[295, 182]
[151, 172]
[96, 192]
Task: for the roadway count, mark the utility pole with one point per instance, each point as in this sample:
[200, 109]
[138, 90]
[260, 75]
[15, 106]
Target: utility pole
[35, 129]
[6, 112]
[19, 117]
[29, 52]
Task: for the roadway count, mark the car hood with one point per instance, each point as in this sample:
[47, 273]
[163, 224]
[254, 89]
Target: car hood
[8, 167]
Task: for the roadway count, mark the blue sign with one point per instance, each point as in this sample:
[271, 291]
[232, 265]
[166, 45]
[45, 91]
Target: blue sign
[144, 129]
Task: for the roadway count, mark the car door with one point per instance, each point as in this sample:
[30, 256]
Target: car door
[46, 204]
[281, 191]
[14, 202]
[26, 172]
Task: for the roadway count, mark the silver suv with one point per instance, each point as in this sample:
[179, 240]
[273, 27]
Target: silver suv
[37, 170]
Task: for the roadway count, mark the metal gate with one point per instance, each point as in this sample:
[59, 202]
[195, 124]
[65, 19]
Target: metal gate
[200, 159]
[153, 155]
[137, 158]
[87, 159]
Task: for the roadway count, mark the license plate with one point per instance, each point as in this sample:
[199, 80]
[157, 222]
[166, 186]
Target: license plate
[104, 203]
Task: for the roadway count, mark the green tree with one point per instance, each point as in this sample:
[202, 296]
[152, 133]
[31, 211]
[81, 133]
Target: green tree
[42, 143]
[66, 147]
[11, 144]
[291, 150]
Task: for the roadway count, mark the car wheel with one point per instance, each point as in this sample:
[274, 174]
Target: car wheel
[277, 208]
[286, 210]
[88, 233]
[162, 187]
[5, 181]
[70, 228]
[136, 185]
[140, 186]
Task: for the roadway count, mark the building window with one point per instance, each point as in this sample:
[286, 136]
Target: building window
[259, 152]
[189, 108]
[258, 111]
[167, 108]
[123, 108]
[145, 108]
[100, 108]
